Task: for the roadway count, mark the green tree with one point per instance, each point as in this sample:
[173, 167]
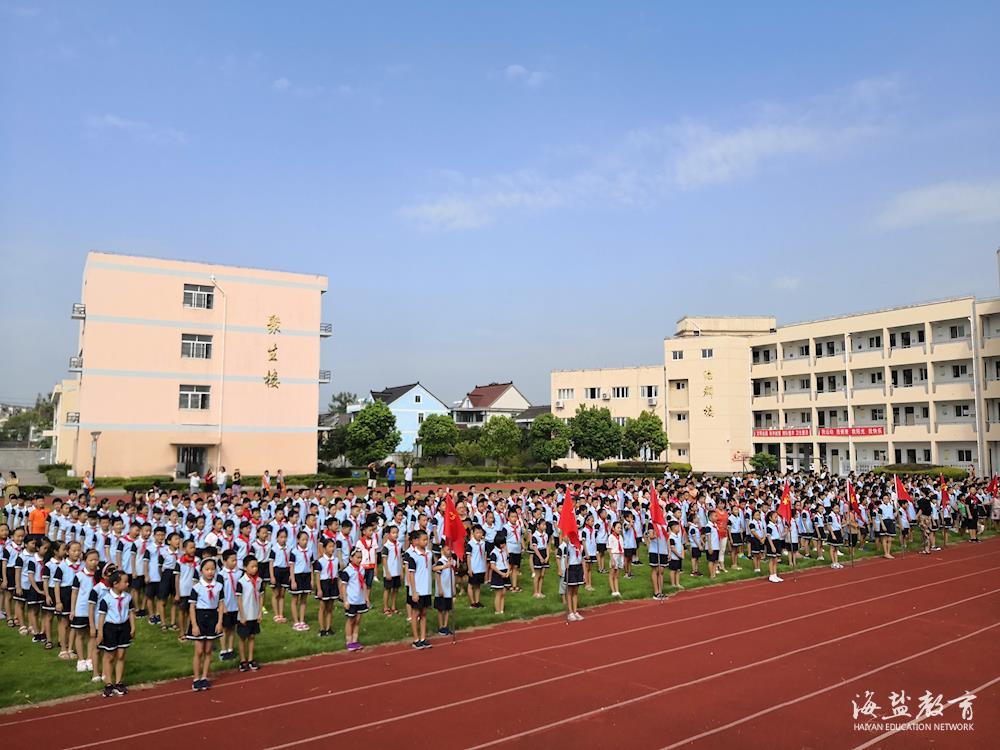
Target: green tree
[644, 433]
[333, 443]
[29, 424]
[764, 462]
[549, 438]
[340, 401]
[438, 435]
[501, 439]
[594, 434]
[372, 435]
[468, 453]
[472, 434]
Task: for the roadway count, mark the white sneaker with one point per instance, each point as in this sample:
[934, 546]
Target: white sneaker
[99, 678]
[578, 617]
[81, 665]
[778, 579]
[615, 593]
[570, 618]
[90, 664]
[773, 579]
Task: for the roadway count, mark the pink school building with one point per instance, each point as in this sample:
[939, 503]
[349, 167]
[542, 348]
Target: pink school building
[185, 365]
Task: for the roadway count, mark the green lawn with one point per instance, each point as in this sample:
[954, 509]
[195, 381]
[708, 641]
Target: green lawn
[32, 675]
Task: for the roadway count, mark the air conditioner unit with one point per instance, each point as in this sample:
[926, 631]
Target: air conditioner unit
[605, 396]
[559, 404]
[651, 401]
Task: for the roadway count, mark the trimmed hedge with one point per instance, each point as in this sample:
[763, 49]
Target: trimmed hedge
[34, 489]
[644, 467]
[949, 472]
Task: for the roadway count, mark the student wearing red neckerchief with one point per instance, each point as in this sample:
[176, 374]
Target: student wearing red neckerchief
[249, 595]
[205, 609]
[353, 595]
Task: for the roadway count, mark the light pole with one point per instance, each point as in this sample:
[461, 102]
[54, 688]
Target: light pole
[93, 454]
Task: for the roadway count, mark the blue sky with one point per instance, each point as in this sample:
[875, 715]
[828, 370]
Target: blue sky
[496, 190]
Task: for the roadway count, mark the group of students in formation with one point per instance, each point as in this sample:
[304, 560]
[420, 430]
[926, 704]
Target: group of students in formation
[78, 573]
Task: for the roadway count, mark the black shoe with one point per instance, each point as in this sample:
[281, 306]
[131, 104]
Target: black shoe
[416, 644]
[121, 689]
[244, 666]
[206, 685]
[443, 631]
[426, 644]
[38, 638]
[109, 691]
[254, 666]
[196, 686]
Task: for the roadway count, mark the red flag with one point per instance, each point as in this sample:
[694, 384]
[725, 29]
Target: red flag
[567, 522]
[656, 513]
[785, 506]
[945, 499]
[852, 497]
[901, 492]
[454, 529]
[994, 485]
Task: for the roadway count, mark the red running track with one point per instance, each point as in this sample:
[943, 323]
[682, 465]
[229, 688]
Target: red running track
[744, 665]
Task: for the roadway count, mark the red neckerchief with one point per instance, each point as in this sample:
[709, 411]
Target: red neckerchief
[361, 576]
[120, 599]
[245, 540]
[305, 553]
[187, 560]
[210, 590]
[329, 567]
[256, 588]
[232, 582]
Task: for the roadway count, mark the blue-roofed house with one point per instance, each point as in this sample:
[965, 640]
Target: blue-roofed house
[410, 404]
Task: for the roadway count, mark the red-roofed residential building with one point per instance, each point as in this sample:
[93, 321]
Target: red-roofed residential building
[484, 402]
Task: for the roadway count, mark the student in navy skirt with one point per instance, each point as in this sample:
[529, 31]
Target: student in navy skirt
[539, 546]
[205, 610]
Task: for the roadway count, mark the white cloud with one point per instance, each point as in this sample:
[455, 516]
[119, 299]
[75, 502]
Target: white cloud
[944, 203]
[786, 283]
[531, 78]
[281, 85]
[648, 165]
[137, 129]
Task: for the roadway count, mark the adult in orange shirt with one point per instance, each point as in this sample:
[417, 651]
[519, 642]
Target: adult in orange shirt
[38, 519]
[722, 524]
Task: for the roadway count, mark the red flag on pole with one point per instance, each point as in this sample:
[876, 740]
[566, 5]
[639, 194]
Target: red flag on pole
[994, 485]
[901, 492]
[656, 516]
[785, 506]
[852, 497]
[454, 529]
[945, 499]
[567, 521]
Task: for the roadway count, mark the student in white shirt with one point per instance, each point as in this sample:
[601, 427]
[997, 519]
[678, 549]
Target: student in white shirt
[392, 570]
[205, 610]
[539, 557]
[249, 593]
[326, 575]
[476, 551]
[116, 626]
[352, 593]
[301, 559]
[616, 552]
[444, 580]
[418, 584]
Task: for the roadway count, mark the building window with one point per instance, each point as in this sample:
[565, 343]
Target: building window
[707, 353]
[961, 410]
[681, 385]
[619, 391]
[682, 452]
[964, 454]
[804, 384]
[677, 355]
[620, 421]
[959, 371]
[927, 454]
[805, 417]
[957, 332]
[878, 414]
[416, 398]
[420, 417]
[593, 393]
[565, 393]
[804, 350]
[682, 416]
[874, 342]
[197, 295]
[649, 391]
[196, 346]
[194, 396]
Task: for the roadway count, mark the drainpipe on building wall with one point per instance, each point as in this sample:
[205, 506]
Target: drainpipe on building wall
[847, 393]
[222, 367]
[977, 391]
